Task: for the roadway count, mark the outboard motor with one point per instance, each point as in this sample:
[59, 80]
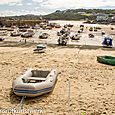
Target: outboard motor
[63, 40]
[62, 31]
[107, 41]
[103, 33]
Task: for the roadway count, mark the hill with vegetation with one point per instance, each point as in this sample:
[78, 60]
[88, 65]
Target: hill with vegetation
[77, 14]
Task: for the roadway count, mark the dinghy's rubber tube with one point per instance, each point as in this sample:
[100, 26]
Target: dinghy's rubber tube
[33, 91]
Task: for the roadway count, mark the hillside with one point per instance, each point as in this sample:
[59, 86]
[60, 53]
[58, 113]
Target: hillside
[77, 14]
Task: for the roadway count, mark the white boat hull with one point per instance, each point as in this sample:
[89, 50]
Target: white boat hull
[23, 87]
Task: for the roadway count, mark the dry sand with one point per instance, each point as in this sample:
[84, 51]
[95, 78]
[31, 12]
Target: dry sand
[92, 85]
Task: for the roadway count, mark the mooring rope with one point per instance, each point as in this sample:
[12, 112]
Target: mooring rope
[69, 94]
[20, 106]
[22, 102]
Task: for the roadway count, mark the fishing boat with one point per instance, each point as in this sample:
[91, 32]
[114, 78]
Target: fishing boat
[35, 83]
[110, 60]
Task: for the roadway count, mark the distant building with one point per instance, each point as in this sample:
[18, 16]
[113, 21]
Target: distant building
[113, 19]
[81, 12]
[94, 14]
[102, 17]
[58, 11]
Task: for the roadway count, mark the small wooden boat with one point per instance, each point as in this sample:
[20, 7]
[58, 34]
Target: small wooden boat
[22, 30]
[1, 39]
[52, 24]
[35, 82]
[40, 48]
[59, 34]
[43, 36]
[76, 37]
[81, 26]
[14, 34]
[24, 27]
[28, 34]
[3, 29]
[36, 27]
[57, 26]
[106, 60]
[90, 29]
[91, 36]
[70, 25]
[103, 32]
[3, 33]
[95, 30]
[48, 27]
[10, 29]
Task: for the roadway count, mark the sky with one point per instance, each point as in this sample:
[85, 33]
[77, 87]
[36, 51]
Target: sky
[39, 7]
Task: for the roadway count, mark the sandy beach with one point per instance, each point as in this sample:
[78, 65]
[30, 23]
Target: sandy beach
[92, 85]
[84, 40]
[92, 88]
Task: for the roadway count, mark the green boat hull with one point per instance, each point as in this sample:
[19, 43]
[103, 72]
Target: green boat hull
[109, 60]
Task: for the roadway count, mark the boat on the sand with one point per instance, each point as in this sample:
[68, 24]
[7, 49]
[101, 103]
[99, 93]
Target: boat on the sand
[40, 48]
[110, 60]
[1, 39]
[35, 83]
[14, 34]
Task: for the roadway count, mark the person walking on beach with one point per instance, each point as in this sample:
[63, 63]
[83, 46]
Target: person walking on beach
[25, 41]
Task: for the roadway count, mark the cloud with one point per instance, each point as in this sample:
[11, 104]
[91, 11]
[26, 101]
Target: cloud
[21, 12]
[76, 3]
[29, 4]
[39, 1]
[48, 6]
[9, 1]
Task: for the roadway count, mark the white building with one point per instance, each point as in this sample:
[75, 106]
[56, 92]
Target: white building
[113, 19]
[81, 12]
[102, 17]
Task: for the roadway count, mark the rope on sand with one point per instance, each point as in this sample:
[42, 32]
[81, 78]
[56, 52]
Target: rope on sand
[78, 54]
[22, 102]
[69, 96]
[20, 106]
[77, 63]
[69, 99]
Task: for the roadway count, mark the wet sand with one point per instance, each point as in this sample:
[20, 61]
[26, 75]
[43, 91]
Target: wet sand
[92, 85]
[84, 40]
